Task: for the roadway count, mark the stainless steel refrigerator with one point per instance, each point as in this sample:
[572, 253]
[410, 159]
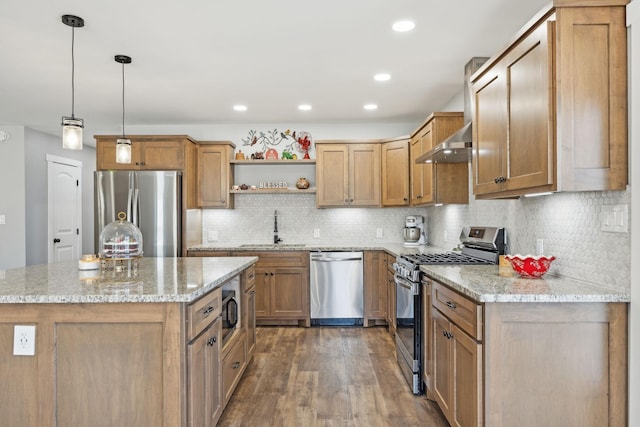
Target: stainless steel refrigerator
[152, 201]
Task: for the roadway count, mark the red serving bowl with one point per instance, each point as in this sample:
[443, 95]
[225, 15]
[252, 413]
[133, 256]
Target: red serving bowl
[530, 265]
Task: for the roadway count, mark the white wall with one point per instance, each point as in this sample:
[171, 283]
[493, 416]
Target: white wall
[633, 20]
[38, 145]
[12, 198]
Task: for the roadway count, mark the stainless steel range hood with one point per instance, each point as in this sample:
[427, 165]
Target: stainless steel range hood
[457, 147]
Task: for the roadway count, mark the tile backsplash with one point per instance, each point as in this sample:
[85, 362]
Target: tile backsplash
[568, 223]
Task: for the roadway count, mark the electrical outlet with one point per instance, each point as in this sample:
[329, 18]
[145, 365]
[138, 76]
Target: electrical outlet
[316, 233]
[24, 340]
[213, 236]
[539, 247]
[446, 236]
[379, 233]
[3, 219]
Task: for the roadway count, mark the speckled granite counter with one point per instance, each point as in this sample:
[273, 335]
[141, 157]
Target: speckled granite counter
[501, 284]
[394, 249]
[157, 280]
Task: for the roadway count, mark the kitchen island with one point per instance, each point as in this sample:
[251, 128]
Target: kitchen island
[503, 350]
[118, 348]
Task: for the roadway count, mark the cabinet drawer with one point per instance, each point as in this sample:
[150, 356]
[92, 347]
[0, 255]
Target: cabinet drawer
[233, 365]
[462, 311]
[202, 312]
[279, 258]
[390, 260]
[248, 278]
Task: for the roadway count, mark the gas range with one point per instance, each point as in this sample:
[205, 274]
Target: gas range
[480, 245]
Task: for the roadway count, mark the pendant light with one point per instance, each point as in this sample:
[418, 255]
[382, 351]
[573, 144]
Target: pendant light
[123, 145]
[72, 126]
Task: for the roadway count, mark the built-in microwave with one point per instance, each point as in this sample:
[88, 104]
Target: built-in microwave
[229, 313]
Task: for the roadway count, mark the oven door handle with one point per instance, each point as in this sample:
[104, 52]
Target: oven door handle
[407, 284]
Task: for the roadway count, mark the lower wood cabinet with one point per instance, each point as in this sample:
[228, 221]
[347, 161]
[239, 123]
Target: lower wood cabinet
[205, 388]
[391, 295]
[233, 363]
[375, 288]
[281, 287]
[528, 364]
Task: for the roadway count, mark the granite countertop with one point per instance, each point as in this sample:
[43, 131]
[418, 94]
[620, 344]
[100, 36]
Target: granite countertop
[491, 283]
[394, 249]
[157, 280]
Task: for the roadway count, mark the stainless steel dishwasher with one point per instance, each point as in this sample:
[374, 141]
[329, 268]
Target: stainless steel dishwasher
[336, 288]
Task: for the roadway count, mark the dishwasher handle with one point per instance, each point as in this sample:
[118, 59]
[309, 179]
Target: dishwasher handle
[324, 259]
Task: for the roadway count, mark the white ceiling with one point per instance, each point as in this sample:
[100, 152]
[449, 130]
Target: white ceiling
[194, 59]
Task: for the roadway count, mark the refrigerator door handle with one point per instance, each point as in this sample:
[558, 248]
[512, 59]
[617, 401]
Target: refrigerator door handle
[136, 203]
[129, 204]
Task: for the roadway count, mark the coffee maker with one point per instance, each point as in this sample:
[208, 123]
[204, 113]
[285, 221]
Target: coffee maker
[413, 232]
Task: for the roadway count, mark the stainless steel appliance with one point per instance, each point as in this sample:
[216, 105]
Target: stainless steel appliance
[152, 201]
[336, 288]
[229, 313]
[481, 245]
[413, 232]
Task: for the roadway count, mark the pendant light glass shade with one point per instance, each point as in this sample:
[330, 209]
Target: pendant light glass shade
[72, 133]
[72, 126]
[123, 145]
[123, 150]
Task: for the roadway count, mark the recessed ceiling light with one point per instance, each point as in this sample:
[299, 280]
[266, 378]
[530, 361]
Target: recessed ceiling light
[382, 77]
[304, 107]
[240, 107]
[370, 107]
[403, 26]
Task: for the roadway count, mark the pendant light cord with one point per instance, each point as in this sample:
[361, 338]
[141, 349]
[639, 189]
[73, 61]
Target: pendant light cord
[123, 133]
[73, 67]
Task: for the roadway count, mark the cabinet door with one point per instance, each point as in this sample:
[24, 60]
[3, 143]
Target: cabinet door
[467, 379]
[391, 303]
[213, 177]
[332, 175]
[395, 173]
[428, 169]
[249, 319]
[205, 385]
[375, 286]
[364, 174]
[262, 288]
[427, 356]
[415, 151]
[442, 348]
[490, 131]
[162, 155]
[289, 292]
[531, 138]
[106, 156]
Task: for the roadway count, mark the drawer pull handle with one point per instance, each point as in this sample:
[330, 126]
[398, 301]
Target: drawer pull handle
[207, 311]
[236, 365]
[451, 305]
[212, 341]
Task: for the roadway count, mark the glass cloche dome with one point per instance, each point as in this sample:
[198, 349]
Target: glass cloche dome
[120, 240]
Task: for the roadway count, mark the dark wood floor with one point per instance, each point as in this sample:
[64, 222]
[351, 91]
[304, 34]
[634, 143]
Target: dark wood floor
[326, 376]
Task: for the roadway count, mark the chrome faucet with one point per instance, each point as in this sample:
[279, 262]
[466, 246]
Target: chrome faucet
[276, 239]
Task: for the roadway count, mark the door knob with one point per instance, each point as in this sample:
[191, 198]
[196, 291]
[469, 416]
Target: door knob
[56, 240]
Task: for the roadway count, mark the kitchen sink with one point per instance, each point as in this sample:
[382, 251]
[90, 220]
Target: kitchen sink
[273, 245]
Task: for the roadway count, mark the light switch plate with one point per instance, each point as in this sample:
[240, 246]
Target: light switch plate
[3, 219]
[316, 233]
[213, 236]
[379, 233]
[615, 218]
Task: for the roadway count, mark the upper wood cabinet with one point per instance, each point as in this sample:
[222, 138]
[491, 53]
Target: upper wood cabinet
[215, 174]
[551, 109]
[347, 174]
[148, 152]
[439, 183]
[395, 172]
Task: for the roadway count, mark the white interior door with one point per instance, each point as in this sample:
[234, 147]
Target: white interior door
[65, 209]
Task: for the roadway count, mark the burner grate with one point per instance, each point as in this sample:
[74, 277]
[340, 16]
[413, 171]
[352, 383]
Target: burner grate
[446, 258]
